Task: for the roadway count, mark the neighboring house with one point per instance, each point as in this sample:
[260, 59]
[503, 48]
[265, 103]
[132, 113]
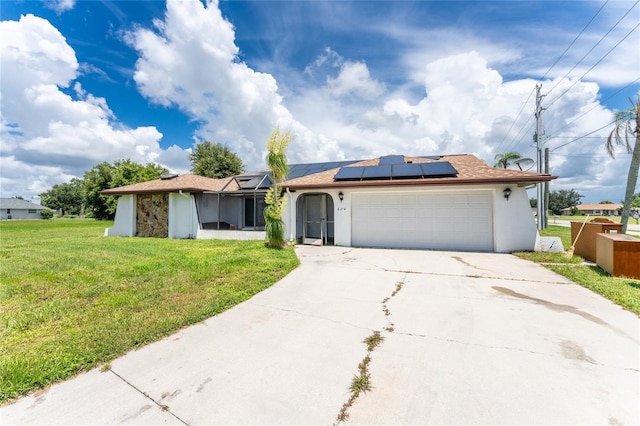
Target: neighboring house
[595, 209]
[15, 208]
[453, 202]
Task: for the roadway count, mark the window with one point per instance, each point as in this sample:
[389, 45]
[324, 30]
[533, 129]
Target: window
[32, 211]
[254, 218]
[8, 211]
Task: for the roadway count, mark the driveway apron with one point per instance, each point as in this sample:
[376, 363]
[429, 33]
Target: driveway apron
[468, 338]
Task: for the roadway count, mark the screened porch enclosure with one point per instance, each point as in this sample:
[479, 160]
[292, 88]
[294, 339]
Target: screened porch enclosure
[239, 205]
[231, 212]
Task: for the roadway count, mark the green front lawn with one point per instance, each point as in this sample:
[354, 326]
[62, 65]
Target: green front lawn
[72, 299]
[623, 291]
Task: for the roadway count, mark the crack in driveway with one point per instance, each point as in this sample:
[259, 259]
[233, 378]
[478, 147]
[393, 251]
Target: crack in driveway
[163, 407]
[361, 383]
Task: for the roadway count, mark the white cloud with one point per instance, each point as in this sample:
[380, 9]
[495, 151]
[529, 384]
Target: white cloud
[354, 79]
[190, 60]
[60, 6]
[49, 136]
[329, 58]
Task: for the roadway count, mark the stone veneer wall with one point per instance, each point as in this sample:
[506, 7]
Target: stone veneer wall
[152, 215]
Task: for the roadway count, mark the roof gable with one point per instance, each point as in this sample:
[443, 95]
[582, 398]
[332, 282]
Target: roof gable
[173, 183]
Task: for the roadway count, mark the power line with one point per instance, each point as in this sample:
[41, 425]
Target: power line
[594, 46]
[573, 137]
[519, 139]
[592, 108]
[586, 155]
[574, 40]
[594, 65]
[587, 134]
[516, 141]
[545, 74]
[515, 120]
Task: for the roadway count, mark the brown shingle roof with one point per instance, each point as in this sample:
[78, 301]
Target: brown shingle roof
[186, 183]
[471, 170]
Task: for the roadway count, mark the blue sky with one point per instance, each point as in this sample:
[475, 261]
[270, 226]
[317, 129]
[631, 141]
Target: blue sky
[90, 81]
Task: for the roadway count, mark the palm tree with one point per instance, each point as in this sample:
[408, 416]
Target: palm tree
[504, 159]
[627, 126]
[277, 162]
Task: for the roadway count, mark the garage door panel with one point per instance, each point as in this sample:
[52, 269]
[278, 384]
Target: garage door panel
[453, 221]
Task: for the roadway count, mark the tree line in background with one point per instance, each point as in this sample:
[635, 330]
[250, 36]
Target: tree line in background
[82, 196]
[570, 199]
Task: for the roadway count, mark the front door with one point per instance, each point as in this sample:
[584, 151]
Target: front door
[317, 219]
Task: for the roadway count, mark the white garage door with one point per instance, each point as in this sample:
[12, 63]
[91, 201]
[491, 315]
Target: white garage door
[427, 220]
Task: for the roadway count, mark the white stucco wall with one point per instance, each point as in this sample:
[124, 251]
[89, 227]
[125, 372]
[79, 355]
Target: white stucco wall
[19, 214]
[513, 224]
[124, 224]
[183, 217]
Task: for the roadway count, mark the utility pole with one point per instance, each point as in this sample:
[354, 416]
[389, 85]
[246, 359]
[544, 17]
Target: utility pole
[542, 208]
[546, 189]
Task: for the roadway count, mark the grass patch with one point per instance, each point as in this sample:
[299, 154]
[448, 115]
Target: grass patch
[625, 292]
[73, 299]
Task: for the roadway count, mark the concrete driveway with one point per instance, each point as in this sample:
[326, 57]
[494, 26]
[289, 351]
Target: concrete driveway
[469, 338]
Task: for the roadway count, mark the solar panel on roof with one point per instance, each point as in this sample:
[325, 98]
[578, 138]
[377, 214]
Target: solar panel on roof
[301, 170]
[332, 165]
[391, 159]
[349, 173]
[440, 168]
[296, 174]
[377, 172]
[406, 171]
[256, 182]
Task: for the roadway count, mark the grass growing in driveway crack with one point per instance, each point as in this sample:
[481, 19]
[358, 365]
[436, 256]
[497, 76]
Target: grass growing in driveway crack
[361, 382]
[373, 341]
